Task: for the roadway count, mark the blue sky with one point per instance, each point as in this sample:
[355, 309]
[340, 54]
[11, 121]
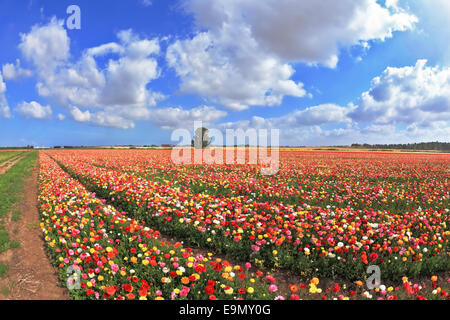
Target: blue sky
[323, 72]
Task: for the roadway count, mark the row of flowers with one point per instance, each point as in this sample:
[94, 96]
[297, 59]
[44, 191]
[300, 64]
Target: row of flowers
[328, 241]
[379, 181]
[103, 254]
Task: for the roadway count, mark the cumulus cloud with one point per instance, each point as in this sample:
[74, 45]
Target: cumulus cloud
[47, 46]
[34, 110]
[411, 94]
[166, 118]
[314, 116]
[236, 75]
[117, 92]
[104, 118]
[242, 55]
[174, 118]
[15, 72]
[403, 105]
[5, 112]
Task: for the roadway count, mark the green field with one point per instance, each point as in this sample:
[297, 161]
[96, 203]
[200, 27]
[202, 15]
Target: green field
[11, 192]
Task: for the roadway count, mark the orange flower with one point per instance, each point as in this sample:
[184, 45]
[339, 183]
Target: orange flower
[293, 288]
[434, 278]
[185, 280]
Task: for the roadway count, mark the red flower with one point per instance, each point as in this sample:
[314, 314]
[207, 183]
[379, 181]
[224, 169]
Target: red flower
[127, 287]
[209, 290]
[373, 256]
[111, 290]
[173, 274]
[336, 287]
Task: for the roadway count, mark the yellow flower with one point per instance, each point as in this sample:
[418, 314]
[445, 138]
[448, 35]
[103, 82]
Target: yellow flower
[229, 290]
[315, 281]
[250, 290]
[159, 298]
[145, 262]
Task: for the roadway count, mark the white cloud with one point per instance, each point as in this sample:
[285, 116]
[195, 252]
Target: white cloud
[117, 92]
[165, 118]
[174, 118]
[47, 46]
[314, 116]
[404, 105]
[34, 110]
[242, 58]
[412, 94]
[104, 118]
[5, 112]
[236, 75]
[61, 117]
[15, 72]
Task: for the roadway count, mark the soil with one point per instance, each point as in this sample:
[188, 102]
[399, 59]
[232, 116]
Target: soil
[5, 166]
[31, 275]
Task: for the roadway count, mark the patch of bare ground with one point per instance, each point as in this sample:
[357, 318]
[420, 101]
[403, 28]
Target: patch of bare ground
[8, 164]
[30, 274]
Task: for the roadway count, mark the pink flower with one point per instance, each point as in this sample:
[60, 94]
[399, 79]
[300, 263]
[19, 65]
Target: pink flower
[114, 268]
[273, 288]
[184, 292]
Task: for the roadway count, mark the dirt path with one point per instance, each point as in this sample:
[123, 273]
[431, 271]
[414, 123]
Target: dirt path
[30, 275]
[8, 164]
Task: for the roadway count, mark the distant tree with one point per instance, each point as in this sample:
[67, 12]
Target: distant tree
[201, 139]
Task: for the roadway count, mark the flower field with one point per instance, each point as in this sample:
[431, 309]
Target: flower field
[325, 215]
